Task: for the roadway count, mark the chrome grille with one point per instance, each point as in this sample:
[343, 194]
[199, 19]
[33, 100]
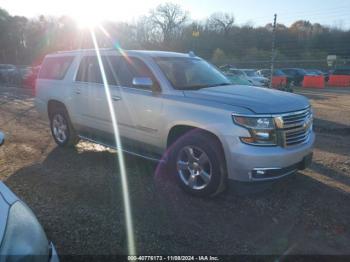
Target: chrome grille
[297, 127]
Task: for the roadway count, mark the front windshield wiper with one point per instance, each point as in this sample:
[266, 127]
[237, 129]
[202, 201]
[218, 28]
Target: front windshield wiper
[194, 87]
[197, 87]
[221, 84]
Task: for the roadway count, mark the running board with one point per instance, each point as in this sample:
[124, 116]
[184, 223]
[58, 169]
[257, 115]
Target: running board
[124, 150]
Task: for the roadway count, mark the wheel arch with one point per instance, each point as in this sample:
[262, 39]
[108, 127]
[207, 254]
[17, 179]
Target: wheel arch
[54, 104]
[178, 130]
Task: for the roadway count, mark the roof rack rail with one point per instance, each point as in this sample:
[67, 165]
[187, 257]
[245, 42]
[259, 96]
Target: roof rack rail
[83, 49]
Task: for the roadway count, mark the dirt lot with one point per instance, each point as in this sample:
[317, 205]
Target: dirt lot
[76, 193]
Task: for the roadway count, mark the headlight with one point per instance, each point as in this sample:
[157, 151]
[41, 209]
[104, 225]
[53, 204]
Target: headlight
[262, 130]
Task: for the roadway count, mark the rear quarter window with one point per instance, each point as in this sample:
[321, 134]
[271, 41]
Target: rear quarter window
[55, 67]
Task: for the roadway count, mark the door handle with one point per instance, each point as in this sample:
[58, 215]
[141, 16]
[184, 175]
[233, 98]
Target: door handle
[78, 92]
[116, 98]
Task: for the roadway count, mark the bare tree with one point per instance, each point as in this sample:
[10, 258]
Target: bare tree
[146, 33]
[221, 22]
[169, 18]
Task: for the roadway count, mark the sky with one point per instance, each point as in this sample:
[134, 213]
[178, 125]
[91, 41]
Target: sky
[254, 12]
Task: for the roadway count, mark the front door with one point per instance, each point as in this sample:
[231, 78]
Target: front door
[139, 110]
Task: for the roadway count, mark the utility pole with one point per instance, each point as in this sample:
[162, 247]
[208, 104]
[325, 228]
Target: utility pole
[273, 48]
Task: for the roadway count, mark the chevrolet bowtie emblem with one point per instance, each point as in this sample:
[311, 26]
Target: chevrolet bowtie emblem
[279, 122]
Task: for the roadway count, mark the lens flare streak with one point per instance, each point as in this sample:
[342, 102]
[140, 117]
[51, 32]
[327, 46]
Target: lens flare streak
[125, 189]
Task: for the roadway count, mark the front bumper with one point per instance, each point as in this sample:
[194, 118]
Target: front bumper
[248, 163]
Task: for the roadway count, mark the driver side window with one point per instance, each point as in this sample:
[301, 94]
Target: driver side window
[127, 68]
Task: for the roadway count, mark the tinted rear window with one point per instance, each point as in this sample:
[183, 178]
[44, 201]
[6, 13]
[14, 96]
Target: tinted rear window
[90, 71]
[55, 67]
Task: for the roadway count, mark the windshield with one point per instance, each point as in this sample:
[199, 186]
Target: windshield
[190, 73]
[251, 73]
[279, 73]
[302, 71]
[237, 73]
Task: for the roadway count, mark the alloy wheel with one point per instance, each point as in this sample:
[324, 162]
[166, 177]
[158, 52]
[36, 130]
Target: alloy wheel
[194, 167]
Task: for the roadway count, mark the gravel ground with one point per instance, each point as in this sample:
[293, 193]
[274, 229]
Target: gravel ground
[76, 193]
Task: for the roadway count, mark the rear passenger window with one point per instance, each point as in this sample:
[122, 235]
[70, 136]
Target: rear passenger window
[55, 67]
[89, 71]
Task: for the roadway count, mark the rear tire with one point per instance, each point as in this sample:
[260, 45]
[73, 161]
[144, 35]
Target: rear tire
[198, 162]
[62, 129]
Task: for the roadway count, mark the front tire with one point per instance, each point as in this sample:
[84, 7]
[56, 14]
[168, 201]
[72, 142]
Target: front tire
[62, 130]
[198, 161]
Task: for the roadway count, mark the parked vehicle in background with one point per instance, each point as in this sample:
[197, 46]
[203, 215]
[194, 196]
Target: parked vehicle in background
[176, 108]
[342, 71]
[24, 72]
[277, 73]
[2, 138]
[22, 238]
[29, 78]
[257, 79]
[5, 68]
[314, 72]
[317, 72]
[267, 73]
[237, 77]
[295, 74]
[8, 74]
[326, 74]
[226, 68]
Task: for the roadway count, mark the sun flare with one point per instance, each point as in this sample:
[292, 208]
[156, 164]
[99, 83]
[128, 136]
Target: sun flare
[87, 15]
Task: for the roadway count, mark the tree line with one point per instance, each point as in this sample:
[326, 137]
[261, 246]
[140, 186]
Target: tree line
[218, 38]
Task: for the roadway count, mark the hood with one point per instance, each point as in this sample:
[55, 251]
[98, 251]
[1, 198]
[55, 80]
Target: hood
[7, 198]
[256, 99]
[4, 210]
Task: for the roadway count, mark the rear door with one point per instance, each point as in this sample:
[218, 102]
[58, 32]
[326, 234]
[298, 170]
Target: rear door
[91, 99]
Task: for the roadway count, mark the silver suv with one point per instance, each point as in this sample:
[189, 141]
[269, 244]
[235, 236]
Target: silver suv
[176, 108]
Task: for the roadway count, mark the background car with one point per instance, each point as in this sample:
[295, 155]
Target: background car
[226, 68]
[315, 72]
[2, 138]
[295, 74]
[8, 74]
[22, 238]
[278, 73]
[257, 79]
[29, 77]
[241, 75]
[237, 77]
[342, 71]
[267, 72]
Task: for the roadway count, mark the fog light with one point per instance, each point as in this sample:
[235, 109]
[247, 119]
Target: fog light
[262, 135]
[260, 172]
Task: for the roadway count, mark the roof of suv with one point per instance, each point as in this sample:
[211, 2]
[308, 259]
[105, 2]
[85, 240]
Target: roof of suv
[127, 52]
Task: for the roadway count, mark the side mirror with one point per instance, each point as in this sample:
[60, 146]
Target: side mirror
[144, 82]
[2, 138]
